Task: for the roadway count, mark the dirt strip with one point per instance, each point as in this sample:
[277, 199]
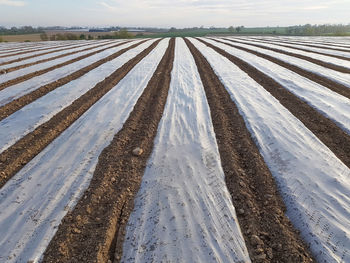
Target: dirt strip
[325, 129]
[43, 71]
[47, 59]
[296, 48]
[332, 85]
[19, 103]
[94, 231]
[269, 235]
[312, 60]
[14, 158]
[34, 50]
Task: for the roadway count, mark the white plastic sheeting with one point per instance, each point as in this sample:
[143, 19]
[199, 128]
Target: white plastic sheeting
[336, 76]
[13, 47]
[41, 110]
[313, 182]
[324, 58]
[13, 92]
[48, 64]
[341, 43]
[51, 55]
[36, 51]
[183, 211]
[326, 101]
[34, 201]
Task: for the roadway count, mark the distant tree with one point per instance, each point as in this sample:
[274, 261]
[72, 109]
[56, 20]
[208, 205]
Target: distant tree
[231, 29]
[238, 29]
[52, 37]
[44, 37]
[90, 37]
[14, 30]
[173, 29]
[60, 37]
[123, 33]
[82, 36]
[70, 36]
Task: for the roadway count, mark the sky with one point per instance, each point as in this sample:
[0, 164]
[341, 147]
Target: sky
[167, 13]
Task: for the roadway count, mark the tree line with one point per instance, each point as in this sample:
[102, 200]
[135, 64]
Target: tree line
[317, 30]
[20, 30]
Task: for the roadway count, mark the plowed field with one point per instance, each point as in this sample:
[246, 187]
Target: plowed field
[217, 149]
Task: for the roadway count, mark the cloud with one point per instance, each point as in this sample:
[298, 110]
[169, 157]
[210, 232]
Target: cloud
[316, 7]
[108, 6]
[12, 3]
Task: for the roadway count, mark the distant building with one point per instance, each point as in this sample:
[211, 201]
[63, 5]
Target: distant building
[99, 30]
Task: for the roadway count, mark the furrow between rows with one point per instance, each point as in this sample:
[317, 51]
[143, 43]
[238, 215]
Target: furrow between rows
[183, 210]
[251, 185]
[99, 219]
[19, 154]
[311, 179]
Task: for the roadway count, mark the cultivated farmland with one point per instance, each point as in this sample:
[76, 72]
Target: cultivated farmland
[217, 149]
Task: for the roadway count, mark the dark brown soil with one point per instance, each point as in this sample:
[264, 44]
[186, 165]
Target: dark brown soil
[312, 60]
[94, 230]
[52, 58]
[297, 48]
[43, 71]
[33, 56]
[325, 129]
[18, 155]
[259, 207]
[19, 103]
[34, 50]
[332, 85]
